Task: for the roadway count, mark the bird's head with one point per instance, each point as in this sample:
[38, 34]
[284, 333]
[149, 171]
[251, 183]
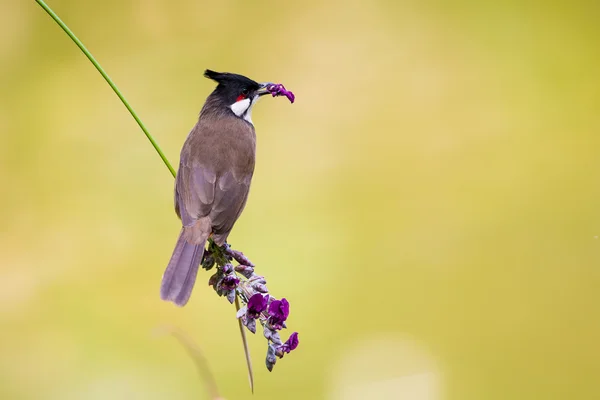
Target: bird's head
[237, 92]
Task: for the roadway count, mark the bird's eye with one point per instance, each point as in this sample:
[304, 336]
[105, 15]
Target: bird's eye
[245, 91]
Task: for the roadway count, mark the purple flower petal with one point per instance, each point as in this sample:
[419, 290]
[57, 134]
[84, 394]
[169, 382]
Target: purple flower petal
[229, 282]
[292, 342]
[279, 90]
[288, 346]
[278, 311]
[256, 305]
[279, 308]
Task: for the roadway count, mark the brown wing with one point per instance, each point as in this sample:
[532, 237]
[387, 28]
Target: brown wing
[199, 193]
[217, 164]
[231, 194]
[194, 192]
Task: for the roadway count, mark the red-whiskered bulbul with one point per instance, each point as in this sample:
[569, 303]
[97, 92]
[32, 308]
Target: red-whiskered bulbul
[212, 184]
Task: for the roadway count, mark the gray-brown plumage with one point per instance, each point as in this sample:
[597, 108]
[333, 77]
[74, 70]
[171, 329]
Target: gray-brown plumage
[213, 180]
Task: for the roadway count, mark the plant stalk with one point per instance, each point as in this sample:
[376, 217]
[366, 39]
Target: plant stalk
[108, 80]
[148, 135]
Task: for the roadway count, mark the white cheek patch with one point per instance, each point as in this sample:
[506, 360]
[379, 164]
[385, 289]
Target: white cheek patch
[248, 115]
[240, 107]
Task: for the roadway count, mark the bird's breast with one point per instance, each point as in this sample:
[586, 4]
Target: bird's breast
[224, 144]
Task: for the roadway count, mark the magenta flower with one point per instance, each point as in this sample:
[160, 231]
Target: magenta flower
[278, 313]
[259, 307]
[290, 344]
[229, 282]
[277, 89]
[256, 305]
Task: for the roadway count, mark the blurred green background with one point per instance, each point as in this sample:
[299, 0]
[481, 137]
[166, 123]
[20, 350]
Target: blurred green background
[429, 205]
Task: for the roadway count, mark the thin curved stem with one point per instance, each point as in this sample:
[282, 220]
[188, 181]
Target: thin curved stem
[150, 138]
[108, 80]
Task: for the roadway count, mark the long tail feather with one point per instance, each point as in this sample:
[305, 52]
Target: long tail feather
[180, 275]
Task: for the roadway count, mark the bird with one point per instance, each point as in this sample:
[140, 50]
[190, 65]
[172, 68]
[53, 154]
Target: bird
[213, 179]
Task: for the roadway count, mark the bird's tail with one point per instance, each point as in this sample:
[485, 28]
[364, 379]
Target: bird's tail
[180, 275]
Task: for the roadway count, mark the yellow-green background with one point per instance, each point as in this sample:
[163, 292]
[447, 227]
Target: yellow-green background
[429, 205]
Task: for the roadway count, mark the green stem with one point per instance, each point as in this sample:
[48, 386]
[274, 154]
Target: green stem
[150, 138]
[108, 80]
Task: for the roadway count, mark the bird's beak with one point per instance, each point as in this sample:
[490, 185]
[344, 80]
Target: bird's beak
[263, 89]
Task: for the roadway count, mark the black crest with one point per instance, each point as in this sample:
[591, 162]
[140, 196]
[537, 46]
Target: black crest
[226, 78]
[215, 76]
